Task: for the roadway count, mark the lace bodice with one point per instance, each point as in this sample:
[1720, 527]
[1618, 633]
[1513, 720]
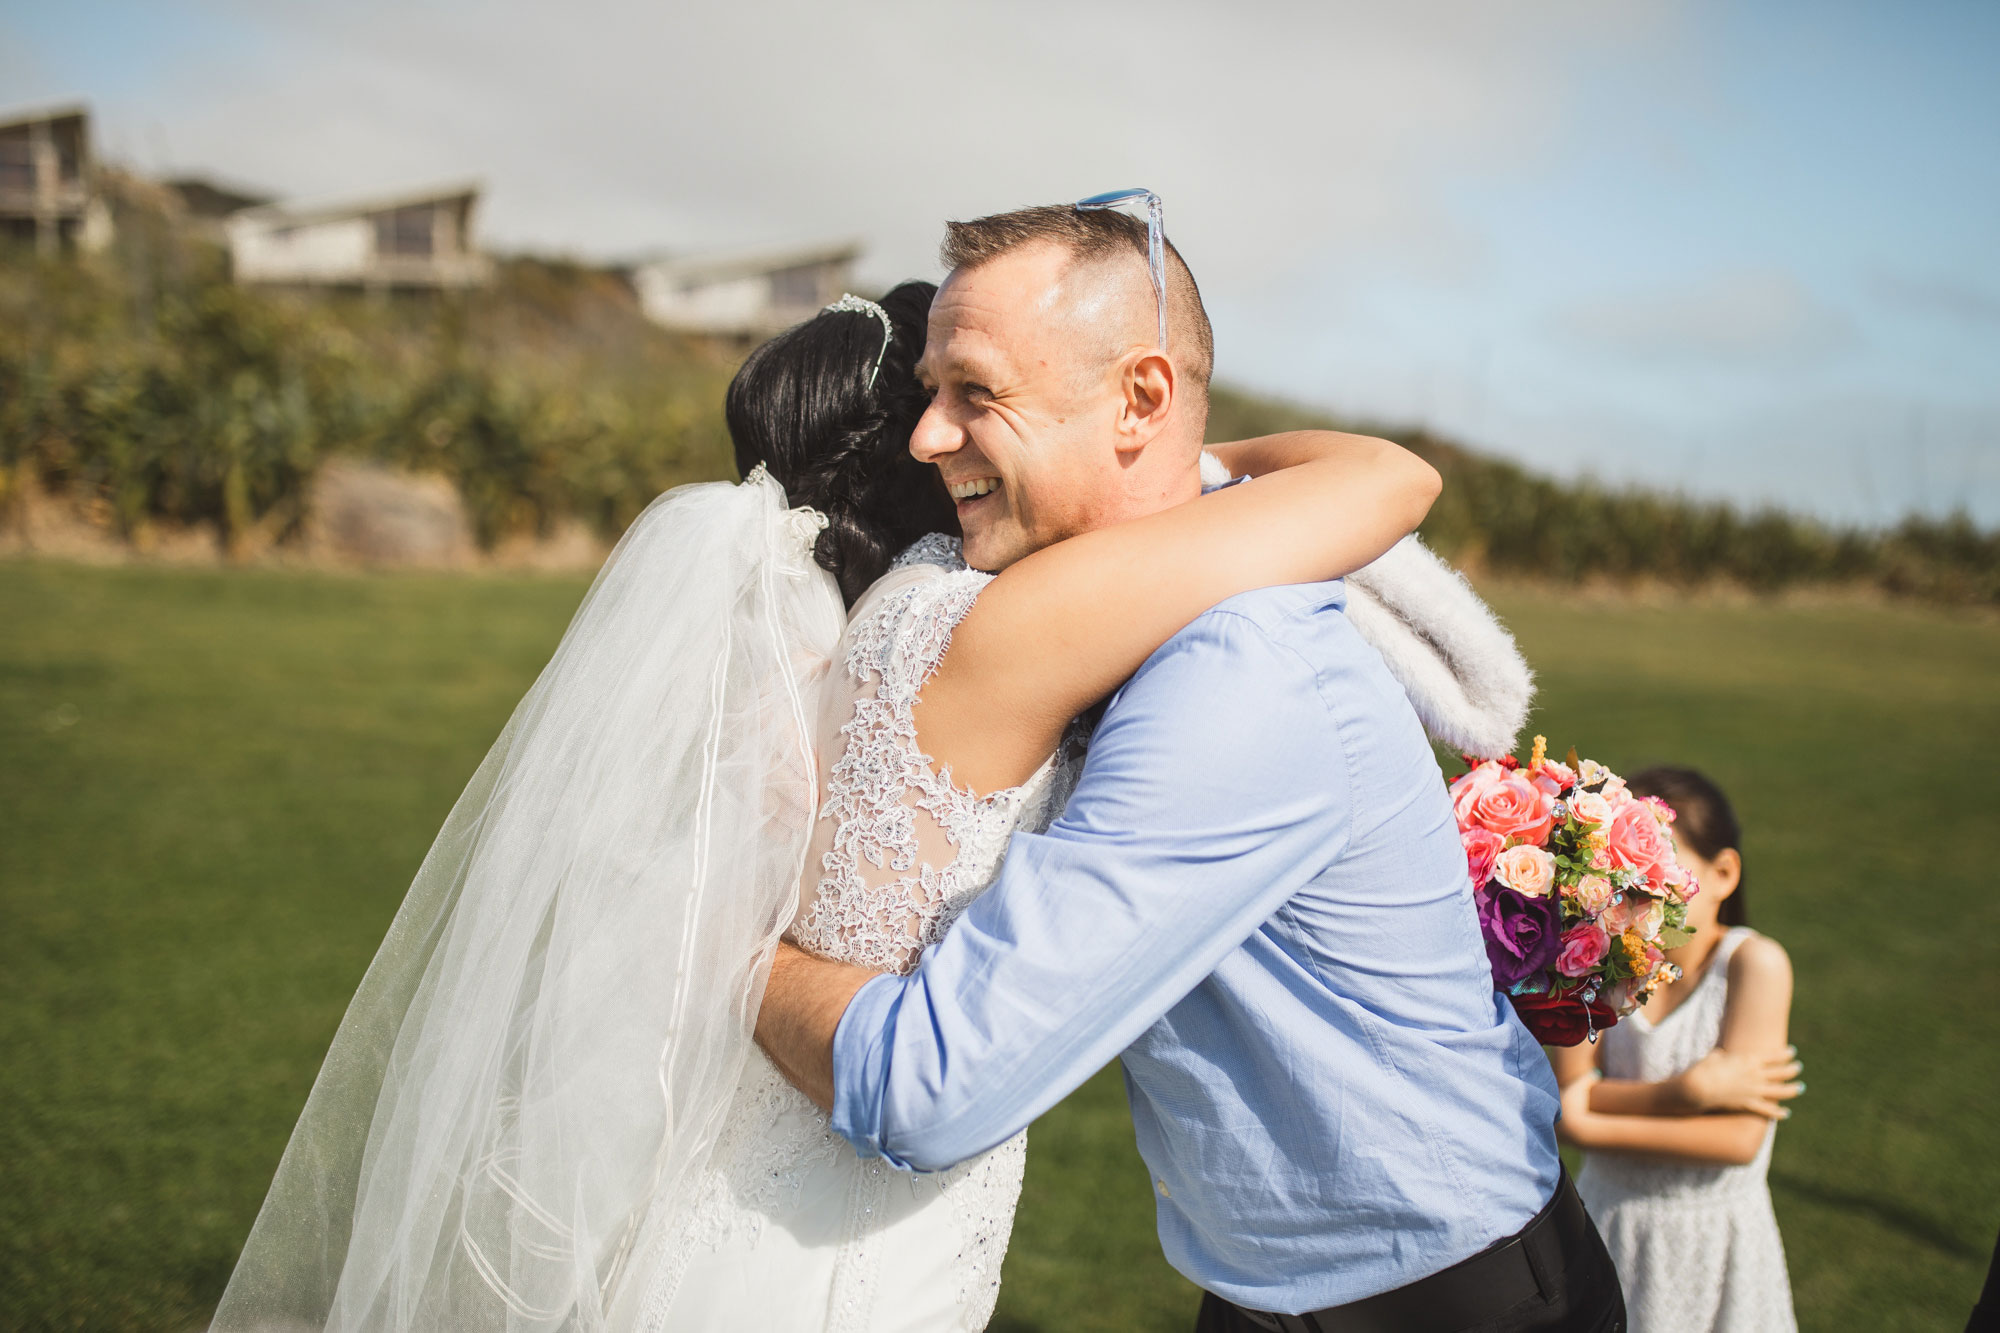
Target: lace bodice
[899, 850]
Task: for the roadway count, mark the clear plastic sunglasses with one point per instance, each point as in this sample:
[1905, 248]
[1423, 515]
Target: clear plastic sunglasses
[1156, 239]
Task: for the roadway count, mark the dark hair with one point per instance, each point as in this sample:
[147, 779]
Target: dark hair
[1090, 234]
[1703, 820]
[802, 406]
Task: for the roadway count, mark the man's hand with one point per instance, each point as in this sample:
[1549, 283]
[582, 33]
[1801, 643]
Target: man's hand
[802, 1008]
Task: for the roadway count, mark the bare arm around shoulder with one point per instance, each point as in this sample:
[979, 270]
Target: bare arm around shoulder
[1755, 1024]
[1060, 629]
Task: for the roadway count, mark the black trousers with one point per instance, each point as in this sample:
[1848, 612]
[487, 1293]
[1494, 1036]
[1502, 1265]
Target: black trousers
[1554, 1275]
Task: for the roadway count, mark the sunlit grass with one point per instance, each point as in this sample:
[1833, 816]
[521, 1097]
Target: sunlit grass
[216, 787]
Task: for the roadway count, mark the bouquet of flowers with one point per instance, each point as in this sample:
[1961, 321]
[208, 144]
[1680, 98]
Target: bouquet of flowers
[1578, 889]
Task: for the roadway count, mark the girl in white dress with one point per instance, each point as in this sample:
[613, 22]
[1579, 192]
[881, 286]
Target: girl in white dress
[1677, 1105]
[543, 1109]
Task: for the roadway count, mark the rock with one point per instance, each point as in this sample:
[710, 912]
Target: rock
[373, 514]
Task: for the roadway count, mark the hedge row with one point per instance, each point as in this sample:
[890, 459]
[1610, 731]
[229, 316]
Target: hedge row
[1497, 516]
[143, 381]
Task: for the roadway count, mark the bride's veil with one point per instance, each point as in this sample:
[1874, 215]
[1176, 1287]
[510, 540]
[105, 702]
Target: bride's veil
[550, 1034]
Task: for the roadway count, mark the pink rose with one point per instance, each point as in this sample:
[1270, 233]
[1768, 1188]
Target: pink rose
[1660, 808]
[1593, 893]
[1547, 782]
[1564, 775]
[1682, 886]
[1512, 808]
[1600, 860]
[1583, 948]
[1469, 787]
[1614, 791]
[1526, 870]
[1482, 847]
[1635, 912]
[1591, 808]
[1638, 842]
[1622, 996]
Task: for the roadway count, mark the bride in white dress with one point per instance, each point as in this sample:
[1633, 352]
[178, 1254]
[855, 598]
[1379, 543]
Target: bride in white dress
[543, 1109]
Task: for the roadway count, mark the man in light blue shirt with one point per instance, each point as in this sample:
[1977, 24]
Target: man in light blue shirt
[1257, 900]
[1257, 895]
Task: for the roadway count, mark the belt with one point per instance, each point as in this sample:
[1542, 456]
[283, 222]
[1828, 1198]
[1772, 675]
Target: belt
[1528, 1264]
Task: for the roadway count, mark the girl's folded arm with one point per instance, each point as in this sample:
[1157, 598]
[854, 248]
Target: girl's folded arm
[1727, 1140]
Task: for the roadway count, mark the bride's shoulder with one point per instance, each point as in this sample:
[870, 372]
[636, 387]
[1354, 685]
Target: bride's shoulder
[901, 626]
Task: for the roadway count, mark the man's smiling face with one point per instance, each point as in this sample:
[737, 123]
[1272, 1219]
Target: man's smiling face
[1022, 408]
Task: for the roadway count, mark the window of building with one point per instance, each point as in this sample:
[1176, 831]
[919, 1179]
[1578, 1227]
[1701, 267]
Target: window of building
[796, 287]
[17, 163]
[405, 231]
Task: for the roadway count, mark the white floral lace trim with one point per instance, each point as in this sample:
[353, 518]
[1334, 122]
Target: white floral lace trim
[933, 548]
[883, 781]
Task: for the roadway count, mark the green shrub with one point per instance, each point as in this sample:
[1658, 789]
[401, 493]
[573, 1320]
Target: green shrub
[143, 380]
[1497, 516]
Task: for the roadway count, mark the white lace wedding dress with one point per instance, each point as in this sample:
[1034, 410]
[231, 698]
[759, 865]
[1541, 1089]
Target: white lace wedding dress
[793, 1231]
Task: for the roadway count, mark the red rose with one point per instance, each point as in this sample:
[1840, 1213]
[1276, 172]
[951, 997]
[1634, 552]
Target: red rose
[1563, 1020]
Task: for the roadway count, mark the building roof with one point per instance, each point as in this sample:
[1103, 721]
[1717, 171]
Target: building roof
[71, 111]
[744, 263]
[292, 212]
[206, 197]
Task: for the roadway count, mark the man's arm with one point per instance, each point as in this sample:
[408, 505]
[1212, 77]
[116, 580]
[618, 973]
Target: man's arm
[803, 1003]
[1214, 790]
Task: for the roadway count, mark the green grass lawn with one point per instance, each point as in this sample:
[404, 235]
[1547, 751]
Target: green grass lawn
[216, 786]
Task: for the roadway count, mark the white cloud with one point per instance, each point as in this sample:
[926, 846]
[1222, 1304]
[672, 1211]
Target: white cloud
[1957, 299]
[1273, 131]
[1757, 322]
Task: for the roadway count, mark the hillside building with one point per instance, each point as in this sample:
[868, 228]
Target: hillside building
[48, 186]
[744, 295]
[415, 241]
[207, 204]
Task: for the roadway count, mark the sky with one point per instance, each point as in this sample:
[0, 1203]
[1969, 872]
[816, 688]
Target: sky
[1748, 251]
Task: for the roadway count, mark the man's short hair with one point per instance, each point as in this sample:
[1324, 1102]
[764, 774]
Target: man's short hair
[1091, 235]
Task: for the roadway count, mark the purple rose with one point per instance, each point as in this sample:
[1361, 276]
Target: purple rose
[1523, 934]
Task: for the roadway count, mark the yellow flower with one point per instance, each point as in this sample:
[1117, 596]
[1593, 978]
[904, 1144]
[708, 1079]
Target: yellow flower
[1541, 753]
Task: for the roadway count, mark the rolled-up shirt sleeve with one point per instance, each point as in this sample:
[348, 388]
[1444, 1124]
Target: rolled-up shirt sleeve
[1215, 788]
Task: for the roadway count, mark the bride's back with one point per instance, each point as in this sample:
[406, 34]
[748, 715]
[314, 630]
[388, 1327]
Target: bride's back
[900, 849]
[791, 1229]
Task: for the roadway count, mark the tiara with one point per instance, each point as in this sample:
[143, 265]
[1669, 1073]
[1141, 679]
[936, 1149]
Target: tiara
[863, 306]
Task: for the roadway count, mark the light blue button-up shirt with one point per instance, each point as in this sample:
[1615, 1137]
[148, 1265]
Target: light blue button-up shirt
[1258, 899]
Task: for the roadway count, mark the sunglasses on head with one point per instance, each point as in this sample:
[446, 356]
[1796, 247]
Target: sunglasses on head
[1156, 239]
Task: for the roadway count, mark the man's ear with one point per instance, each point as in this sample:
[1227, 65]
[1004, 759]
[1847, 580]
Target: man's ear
[1148, 383]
